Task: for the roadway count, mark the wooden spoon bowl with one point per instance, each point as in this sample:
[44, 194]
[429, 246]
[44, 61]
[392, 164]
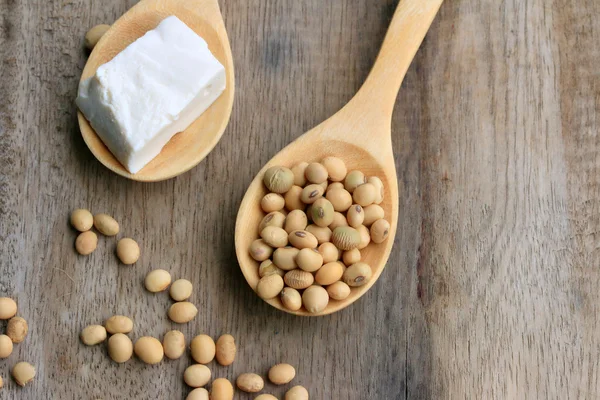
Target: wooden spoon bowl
[359, 134]
[186, 149]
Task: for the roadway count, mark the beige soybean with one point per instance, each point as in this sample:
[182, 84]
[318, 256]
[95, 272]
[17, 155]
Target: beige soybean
[380, 231]
[296, 393]
[272, 202]
[372, 214]
[353, 180]
[182, 312]
[329, 273]
[338, 290]
[198, 394]
[278, 179]
[1, 382]
[203, 349]
[259, 250]
[157, 280]
[106, 225]
[149, 350]
[285, 257]
[322, 212]
[355, 216]
[309, 260]
[351, 257]
[6, 346]
[345, 238]
[221, 390]
[120, 348]
[269, 286]
[324, 185]
[173, 344]
[315, 299]
[181, 290]
[93, 334]
[280, 374]
[93, 36]
[311, 193]
[375, 181]
[316, 173]
[8, 308]
[267, 267]
[23, 373]
[298, 279]
[339, 219]
[274, 236]
[293, 199]
[197, 375]
[226, 349]
[128, 251]
[364, 194]
[340, 199]
[336, 169]
[357, 274]
[250, 383]
[322, 233]
[299, 173]
[275, 218]
[291, 299]
[334, 185]
[86, 243]
[329, 252]
[82, 220]
[118, 324]
[302, 240]
[365, 237]
[266, 396]
[17, 329]
[296, 220]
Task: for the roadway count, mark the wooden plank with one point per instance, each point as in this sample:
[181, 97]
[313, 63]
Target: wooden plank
[492, 288]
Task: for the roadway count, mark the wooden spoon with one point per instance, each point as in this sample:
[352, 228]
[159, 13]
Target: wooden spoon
[360, 134]
[186, 149]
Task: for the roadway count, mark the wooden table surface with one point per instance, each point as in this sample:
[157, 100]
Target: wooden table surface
[492, 290]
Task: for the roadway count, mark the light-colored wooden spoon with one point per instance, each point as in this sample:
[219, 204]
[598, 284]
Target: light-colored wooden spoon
[360, 134]
[186, 149]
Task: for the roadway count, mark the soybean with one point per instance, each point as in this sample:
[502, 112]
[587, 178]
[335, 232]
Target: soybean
[311, 193]
[298, 279]
[351, 257]
[291, 299]
[316, 173]
[275, 218]
[310, 260]
[357, 274]
[250, 383]
[375, 181]
[365, 194]
[280, 374]
[293, 199]
[315, 299]
[8, 308]
[380, 231]
[260, 251]
[93, 36]
[272, 202]
[338, 290]
[106, 225]
[296, 393]
[365, 237]
[335, 167]
[6, 346]
[339, 219]
[329, 252]
[203, 349]
[181, 290]
[329, 273]
[93, 335]
[128, 251]
[372, 214]
[120, 348]
[23, 373]
[353, 180]
[274, 236]
[322, 212]
[149, 350]
[86, 243]
[173, 344]
[269, 286]
[346, 238]
[278, 179]
[341, 199]
[118, 324]
[322, 233]
[182, 312]
[198, 394]
[296, 220]
[226, 350]
[355, 216]
[303, 239]
[82, 220]
[221, 390]
[267, 268]
[196, 375]
[285, 257]
[157, 280]
[299, 173]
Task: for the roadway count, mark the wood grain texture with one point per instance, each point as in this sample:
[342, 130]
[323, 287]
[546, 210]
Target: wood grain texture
[491, 290]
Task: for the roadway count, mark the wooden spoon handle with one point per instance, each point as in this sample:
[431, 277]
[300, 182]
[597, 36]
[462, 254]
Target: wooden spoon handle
[407, 30]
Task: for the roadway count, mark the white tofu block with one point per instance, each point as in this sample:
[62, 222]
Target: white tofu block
[153, 89]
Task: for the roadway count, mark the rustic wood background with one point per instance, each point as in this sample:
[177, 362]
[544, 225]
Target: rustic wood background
[492, 290]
